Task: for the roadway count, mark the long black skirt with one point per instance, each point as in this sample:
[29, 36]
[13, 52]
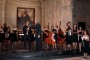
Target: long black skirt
[2, 37]
[75, 38]
[68, 40]
[85, 46]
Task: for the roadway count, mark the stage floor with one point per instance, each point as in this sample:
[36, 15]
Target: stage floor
[23, 54]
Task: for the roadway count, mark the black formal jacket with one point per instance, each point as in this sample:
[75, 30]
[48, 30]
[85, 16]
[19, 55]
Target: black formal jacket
[38, 29]
[25, 29]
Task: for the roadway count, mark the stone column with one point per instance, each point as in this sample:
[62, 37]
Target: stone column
[2, 11]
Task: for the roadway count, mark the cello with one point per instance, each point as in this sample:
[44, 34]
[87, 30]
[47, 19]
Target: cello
[50, 37]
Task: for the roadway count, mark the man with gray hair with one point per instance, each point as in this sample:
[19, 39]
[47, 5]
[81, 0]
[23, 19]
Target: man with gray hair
[38, 35]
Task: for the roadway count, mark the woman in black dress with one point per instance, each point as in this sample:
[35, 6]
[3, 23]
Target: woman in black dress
[56, 33]
[1, 36]
[68, 36]
[79, 38]
[75, 37]
[85, 43]
[13, 38]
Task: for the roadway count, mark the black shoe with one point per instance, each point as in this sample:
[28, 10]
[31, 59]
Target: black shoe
[85, 57]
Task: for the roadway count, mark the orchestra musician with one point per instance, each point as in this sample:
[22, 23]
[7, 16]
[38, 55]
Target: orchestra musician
[38, 35]
[14, 29]
[68, 36]
[45, 33]
[7, 38]
[80, 34]
[85, 43]
[5, 28]
[56, 33]
[13, 36]
[75, 37]
[30, 37]
[33, 42]
[27, 32]
[20, 34]
[20, 37]
[1, 36]
[50, 40]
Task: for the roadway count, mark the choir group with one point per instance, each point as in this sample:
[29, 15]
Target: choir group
[75, 38]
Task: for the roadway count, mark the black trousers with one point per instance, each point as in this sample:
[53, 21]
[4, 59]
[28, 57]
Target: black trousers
[27, 38]
[38, 44]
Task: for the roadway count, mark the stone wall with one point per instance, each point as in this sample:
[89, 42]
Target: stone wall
[10, 16]
[2, 11]
[54, 11]
[81, 12]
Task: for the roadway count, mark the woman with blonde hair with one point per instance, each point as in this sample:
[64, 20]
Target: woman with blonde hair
[85, 43]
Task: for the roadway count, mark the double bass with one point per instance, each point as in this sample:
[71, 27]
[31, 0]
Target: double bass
[60, 35]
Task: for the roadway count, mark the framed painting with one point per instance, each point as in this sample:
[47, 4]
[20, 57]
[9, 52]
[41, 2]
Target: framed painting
[24, 15]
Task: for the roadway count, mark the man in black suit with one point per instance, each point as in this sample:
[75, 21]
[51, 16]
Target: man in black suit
[38, 36]
[27, 32]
